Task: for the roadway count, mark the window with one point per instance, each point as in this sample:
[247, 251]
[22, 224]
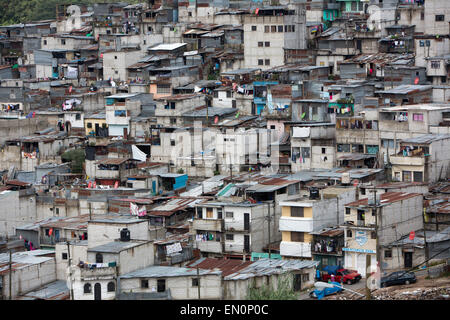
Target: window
[63, 41]
[305, 152]
[47, 232]
[89, 125]
[161, 285]
[163, 88]
[407, 176]
[253, 28]
[260, 44]
[45, 42]
[115, 57]
[267, 62]
[229, 236]
[229, 214]
[78, 116]
[87, 288]
[173, 121]
[435, 64]
[98, 258]
[293, 28]
[116, 72]
[172, 142]
[305, 277]
[422, 15]
[440, 17]
[209, 212]
[267, 44]
[323, 150]
[418, 117]
[64, 255]
[343, 148]
[297, 212]
[228, 94]
[388, 253]
[347, 210]
[280, 28]
[266, 29]
[273, 28]
[272, 127]
[349, 234]
[418, 176]
[297, 236]
[190, 14]
[111, 287]
[195, 282]
[120, 113]
[373, 235]
[144, 284]
[260, 62]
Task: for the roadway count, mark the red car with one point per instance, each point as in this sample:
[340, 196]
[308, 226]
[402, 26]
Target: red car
[347, 276]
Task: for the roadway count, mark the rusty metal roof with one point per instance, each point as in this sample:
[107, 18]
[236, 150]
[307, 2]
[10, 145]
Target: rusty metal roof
[385, 198]
[115, 161]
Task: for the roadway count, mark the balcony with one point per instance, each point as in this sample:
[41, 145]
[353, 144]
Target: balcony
[295, 249]
[208, 224]
[408, 161]
[210, 246]
[296, 224]
[97, 273]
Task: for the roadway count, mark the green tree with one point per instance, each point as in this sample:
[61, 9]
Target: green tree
[76, 158]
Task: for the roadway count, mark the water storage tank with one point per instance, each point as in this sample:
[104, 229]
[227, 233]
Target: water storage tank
[125, 235]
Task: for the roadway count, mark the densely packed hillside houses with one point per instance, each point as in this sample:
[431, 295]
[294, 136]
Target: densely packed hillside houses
[204, 149]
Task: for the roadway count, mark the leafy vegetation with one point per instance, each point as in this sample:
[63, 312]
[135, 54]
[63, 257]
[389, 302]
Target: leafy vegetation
[76, 157]
[283, 291]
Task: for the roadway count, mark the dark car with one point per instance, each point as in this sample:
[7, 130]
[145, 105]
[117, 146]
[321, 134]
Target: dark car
[396, 278]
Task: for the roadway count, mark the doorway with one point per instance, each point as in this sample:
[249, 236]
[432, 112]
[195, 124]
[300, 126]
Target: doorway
[408, 259]
[97, 291]
[297, 282]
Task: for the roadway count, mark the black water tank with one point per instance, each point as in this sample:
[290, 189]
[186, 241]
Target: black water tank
[125, 235]
[314, 193]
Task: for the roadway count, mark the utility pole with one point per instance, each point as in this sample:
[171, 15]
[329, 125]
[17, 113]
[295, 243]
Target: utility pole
[10, 274]
[198, 283]
[268, 227]
[425, 240]
[368, 263]
[69, 262]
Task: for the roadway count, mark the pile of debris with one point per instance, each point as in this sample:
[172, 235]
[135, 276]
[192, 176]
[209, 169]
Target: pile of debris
[415, 294]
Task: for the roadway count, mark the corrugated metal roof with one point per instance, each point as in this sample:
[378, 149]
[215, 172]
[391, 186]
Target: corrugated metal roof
[116, 161]
[56, 290]
[427, 138]
[165, 272]
[117, 246]
[385, 198]
[167, 46]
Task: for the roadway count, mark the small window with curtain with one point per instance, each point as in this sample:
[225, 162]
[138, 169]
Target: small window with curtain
[418, 117]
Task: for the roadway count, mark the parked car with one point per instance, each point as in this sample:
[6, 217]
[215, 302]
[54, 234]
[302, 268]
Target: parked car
[341, 275]
[398, 277]
[320, 293]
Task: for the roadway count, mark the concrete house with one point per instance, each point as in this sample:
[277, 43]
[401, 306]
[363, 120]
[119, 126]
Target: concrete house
[439, 69]
[397, 123]
[231, 229]
[271, 30]
[389, 217]
[421, 159]
[299, 218]
[169, 110]
[312, 146]
[115, 63]
[30, 271]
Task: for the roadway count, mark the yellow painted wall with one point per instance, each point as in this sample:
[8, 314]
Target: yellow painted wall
[308, 212]
[285, 236]
[286, 212]
[93, 121]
